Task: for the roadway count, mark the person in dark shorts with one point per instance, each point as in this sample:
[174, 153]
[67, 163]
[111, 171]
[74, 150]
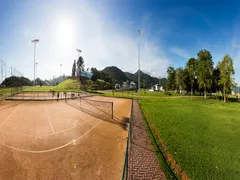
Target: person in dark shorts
[57, 96]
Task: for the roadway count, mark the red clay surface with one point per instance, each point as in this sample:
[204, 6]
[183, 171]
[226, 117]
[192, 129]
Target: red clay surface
[52, 140]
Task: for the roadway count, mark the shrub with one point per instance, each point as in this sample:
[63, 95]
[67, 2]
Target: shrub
[168, 93]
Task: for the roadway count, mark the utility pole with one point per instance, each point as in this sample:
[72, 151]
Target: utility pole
[139, 65]
[35, 41]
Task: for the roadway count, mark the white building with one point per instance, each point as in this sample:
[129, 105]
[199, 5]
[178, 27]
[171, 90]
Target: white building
[132, 85]
[117, 86]
[156, 87]
[126, 85]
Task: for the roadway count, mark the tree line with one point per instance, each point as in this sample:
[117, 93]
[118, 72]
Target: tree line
[199, 76]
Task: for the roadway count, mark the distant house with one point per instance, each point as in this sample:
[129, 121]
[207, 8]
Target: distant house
[132, 85]
[126, 85]
[156, 87]
[129, 85]
[117, 86]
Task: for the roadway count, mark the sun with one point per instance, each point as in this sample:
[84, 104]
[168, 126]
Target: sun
[65, 31]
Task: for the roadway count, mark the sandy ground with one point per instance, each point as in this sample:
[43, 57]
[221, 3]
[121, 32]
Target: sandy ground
[52, 140]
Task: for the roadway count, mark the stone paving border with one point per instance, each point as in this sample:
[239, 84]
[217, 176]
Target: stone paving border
[142, 159]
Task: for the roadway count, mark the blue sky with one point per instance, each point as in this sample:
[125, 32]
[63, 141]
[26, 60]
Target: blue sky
[106, 32]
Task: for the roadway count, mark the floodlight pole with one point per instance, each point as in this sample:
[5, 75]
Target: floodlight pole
[139, 66]
[36, 69]
[35, 41]
[60, 70]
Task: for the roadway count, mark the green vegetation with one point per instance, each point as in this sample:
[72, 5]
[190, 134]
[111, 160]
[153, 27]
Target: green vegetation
[202, 135]
[200, 76]
[130, 94]
[39, 88]
[66, 85]
[15, 81]
[5, 90]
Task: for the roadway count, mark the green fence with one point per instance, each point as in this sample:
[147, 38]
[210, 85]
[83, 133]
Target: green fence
[126, 158]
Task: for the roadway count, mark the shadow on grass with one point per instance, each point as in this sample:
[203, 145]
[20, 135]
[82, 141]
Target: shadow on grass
[230, 99]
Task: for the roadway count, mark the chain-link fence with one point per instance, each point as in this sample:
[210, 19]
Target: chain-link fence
[7, 71]
[126, 159]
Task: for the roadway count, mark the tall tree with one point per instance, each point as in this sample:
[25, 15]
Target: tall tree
[96, 74]
[204, 70]
[180, 77]
[74, 68]
[191, 67]
[226, 71]
[216, 77]
[171, 83]
[80, 66]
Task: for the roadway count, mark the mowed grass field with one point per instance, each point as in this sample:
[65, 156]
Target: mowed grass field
[202, 135]
[68, 85]
[130, 94]
[5, 90]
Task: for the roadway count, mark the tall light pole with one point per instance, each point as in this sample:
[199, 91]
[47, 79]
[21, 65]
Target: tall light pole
[139, 65]
[79, 51]
[36, 70]
[60, 70]
[35, 41]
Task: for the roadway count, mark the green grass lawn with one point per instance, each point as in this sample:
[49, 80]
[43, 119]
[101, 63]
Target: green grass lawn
[39, 88]
[5, 90]
[68, 85]
[202, 135]
[130, 94]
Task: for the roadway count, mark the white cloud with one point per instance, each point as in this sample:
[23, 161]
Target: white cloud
[103, 41]
[180, 52]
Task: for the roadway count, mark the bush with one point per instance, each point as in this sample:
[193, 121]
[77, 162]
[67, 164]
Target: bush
[168, 93]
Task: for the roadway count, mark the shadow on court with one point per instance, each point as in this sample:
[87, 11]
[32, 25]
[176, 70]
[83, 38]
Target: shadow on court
[108, 117]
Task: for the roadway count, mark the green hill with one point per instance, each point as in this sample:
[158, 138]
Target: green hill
[116, 74]
[68, 85]
[146, 80]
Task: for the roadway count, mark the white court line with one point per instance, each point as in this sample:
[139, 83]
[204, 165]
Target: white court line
[8, 116]
[48, 134]
[49, 120]
[60, 112]
[53, 149]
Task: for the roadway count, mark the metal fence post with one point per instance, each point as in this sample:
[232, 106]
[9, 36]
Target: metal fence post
[112, 111]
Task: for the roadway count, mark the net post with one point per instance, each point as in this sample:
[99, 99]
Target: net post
[112, 110]
[80, 101]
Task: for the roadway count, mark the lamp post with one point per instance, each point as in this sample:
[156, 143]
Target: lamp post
[35, 41]
[36, 70]
[139, 66]
[60, 70]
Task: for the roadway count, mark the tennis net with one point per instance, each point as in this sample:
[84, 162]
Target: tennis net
[99, 109]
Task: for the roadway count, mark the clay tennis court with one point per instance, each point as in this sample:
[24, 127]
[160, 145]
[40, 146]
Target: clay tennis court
[58, 140]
